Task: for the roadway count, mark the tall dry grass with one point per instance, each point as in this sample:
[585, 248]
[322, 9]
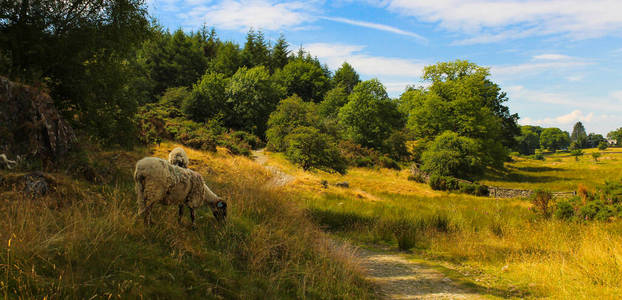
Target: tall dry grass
[85, 241]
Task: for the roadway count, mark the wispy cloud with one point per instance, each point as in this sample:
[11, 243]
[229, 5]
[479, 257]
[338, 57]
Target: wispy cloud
[244, 14]
[493, 21]
[378, 27]
[551, 56]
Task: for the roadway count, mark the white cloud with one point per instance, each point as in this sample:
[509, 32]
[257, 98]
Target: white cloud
[378, 27]
[551, 56]
[535, 67]
[575, 78]
[244, 14]
[374, 66]
[493, 21]
[617, 95]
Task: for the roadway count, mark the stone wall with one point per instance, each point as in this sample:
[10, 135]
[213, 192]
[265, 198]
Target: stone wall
[498, 192]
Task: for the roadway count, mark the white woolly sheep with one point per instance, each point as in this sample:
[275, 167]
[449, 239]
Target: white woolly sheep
[158, 181]
[178, 157]
[7, 163]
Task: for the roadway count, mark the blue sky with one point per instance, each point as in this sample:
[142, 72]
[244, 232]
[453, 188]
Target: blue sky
[560, 61]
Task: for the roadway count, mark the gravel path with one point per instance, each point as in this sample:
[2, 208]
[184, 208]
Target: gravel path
[395, 276]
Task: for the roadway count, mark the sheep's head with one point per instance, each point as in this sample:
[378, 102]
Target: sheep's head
[220, 210]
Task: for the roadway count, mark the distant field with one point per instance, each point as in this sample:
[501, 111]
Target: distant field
[560, 171]
[498, 246]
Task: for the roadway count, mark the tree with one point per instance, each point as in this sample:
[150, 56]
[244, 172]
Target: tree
[602, 145]
[84, 52]
[255, 51]
[252, 95]
[579, 135]
[305, 78]
[347, 77]
[208, 98]
[175, 97]
[290, 114]
[616, 135]
[593, 140]
[370, 116]
[528, 141]
[462, 99]
[576, 153]
[279, 54]
[596, 156]
[554, 139]
[228, 59]
[453, 155]
[309, 148]
[334, 100]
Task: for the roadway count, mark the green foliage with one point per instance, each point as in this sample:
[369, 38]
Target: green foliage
[616, 135]
[554, 139]
[334, 100]
[255, 51]
[528, 141]
[443, 183]
[564, 210]
[357, 155]
[207, 99]
[596, 155]
[175, 97]
[370, 115]
[602, 145]
[389, 163]
[473, 189]
[462, 99]
[395, 145]
[290, 114]
[305, 78]
[252, 96]
[228, 59]
[576, 153]
[279, 54]
[346, 77]
[452, 155]
[595, 140]
[309, 148]
[579, 135]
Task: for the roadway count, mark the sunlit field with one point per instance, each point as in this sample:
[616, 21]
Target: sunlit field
[499, 247]
[84, 240]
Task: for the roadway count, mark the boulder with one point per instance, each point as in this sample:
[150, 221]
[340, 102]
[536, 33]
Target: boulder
[30, 124]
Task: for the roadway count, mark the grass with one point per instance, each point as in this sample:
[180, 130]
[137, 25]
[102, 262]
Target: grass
[559, 171]
[501, 248]
[84, 240]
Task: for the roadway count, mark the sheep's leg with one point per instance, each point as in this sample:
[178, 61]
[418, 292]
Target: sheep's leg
[181, 212]
[192, 215]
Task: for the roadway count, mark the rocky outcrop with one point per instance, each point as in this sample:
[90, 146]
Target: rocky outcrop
[30, 124]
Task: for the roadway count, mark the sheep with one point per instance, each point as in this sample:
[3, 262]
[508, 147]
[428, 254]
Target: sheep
[178, 157]
[7, 163]
[158, 181]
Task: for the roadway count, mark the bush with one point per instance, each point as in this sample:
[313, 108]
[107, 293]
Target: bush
[443, 183]
[596, 156]
[175, 97]
[387, 162]
[473, 189]
[564, 211]
[452, 155]
[357, 155]
[395, 146]
[602, 145]
[252, 140]
[418, 177]
[309, 148]
[542, 201]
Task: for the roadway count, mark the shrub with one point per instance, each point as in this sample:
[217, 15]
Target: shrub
[542, 201]
[395, 146]
[357, 155]
[473, 189]
[564, 211]
[175, 97]
[602, 145]
[596, 156]
[309, 148]
[417, 177]
[389, 163]
[592, 210]
[252, 140]
[443, 183]
[452, 155]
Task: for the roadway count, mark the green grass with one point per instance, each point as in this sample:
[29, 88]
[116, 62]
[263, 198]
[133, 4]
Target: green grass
[559, 171]
[504, 249]
[84, 241]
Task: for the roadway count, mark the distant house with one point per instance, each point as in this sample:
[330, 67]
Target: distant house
[612, 141]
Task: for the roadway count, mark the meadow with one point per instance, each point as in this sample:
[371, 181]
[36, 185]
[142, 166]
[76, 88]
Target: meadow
[84, 241]
[498, 247]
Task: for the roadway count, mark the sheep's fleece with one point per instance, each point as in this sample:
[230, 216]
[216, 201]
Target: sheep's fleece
[158, 181]
[178, 157]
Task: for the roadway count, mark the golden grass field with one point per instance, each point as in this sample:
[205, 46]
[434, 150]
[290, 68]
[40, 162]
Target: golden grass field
[498, 247]
[84, 241]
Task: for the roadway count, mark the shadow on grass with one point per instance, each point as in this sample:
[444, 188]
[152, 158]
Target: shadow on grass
[339, 221]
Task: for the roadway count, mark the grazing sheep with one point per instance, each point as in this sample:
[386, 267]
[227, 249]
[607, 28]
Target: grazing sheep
[6, 163]
[158, 181]
[178, 157]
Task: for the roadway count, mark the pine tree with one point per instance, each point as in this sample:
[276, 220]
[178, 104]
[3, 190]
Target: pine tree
[579, 135]
[279, 56]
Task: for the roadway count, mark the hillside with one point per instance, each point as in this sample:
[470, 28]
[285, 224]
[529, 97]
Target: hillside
[495, 247]
[83, 240]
